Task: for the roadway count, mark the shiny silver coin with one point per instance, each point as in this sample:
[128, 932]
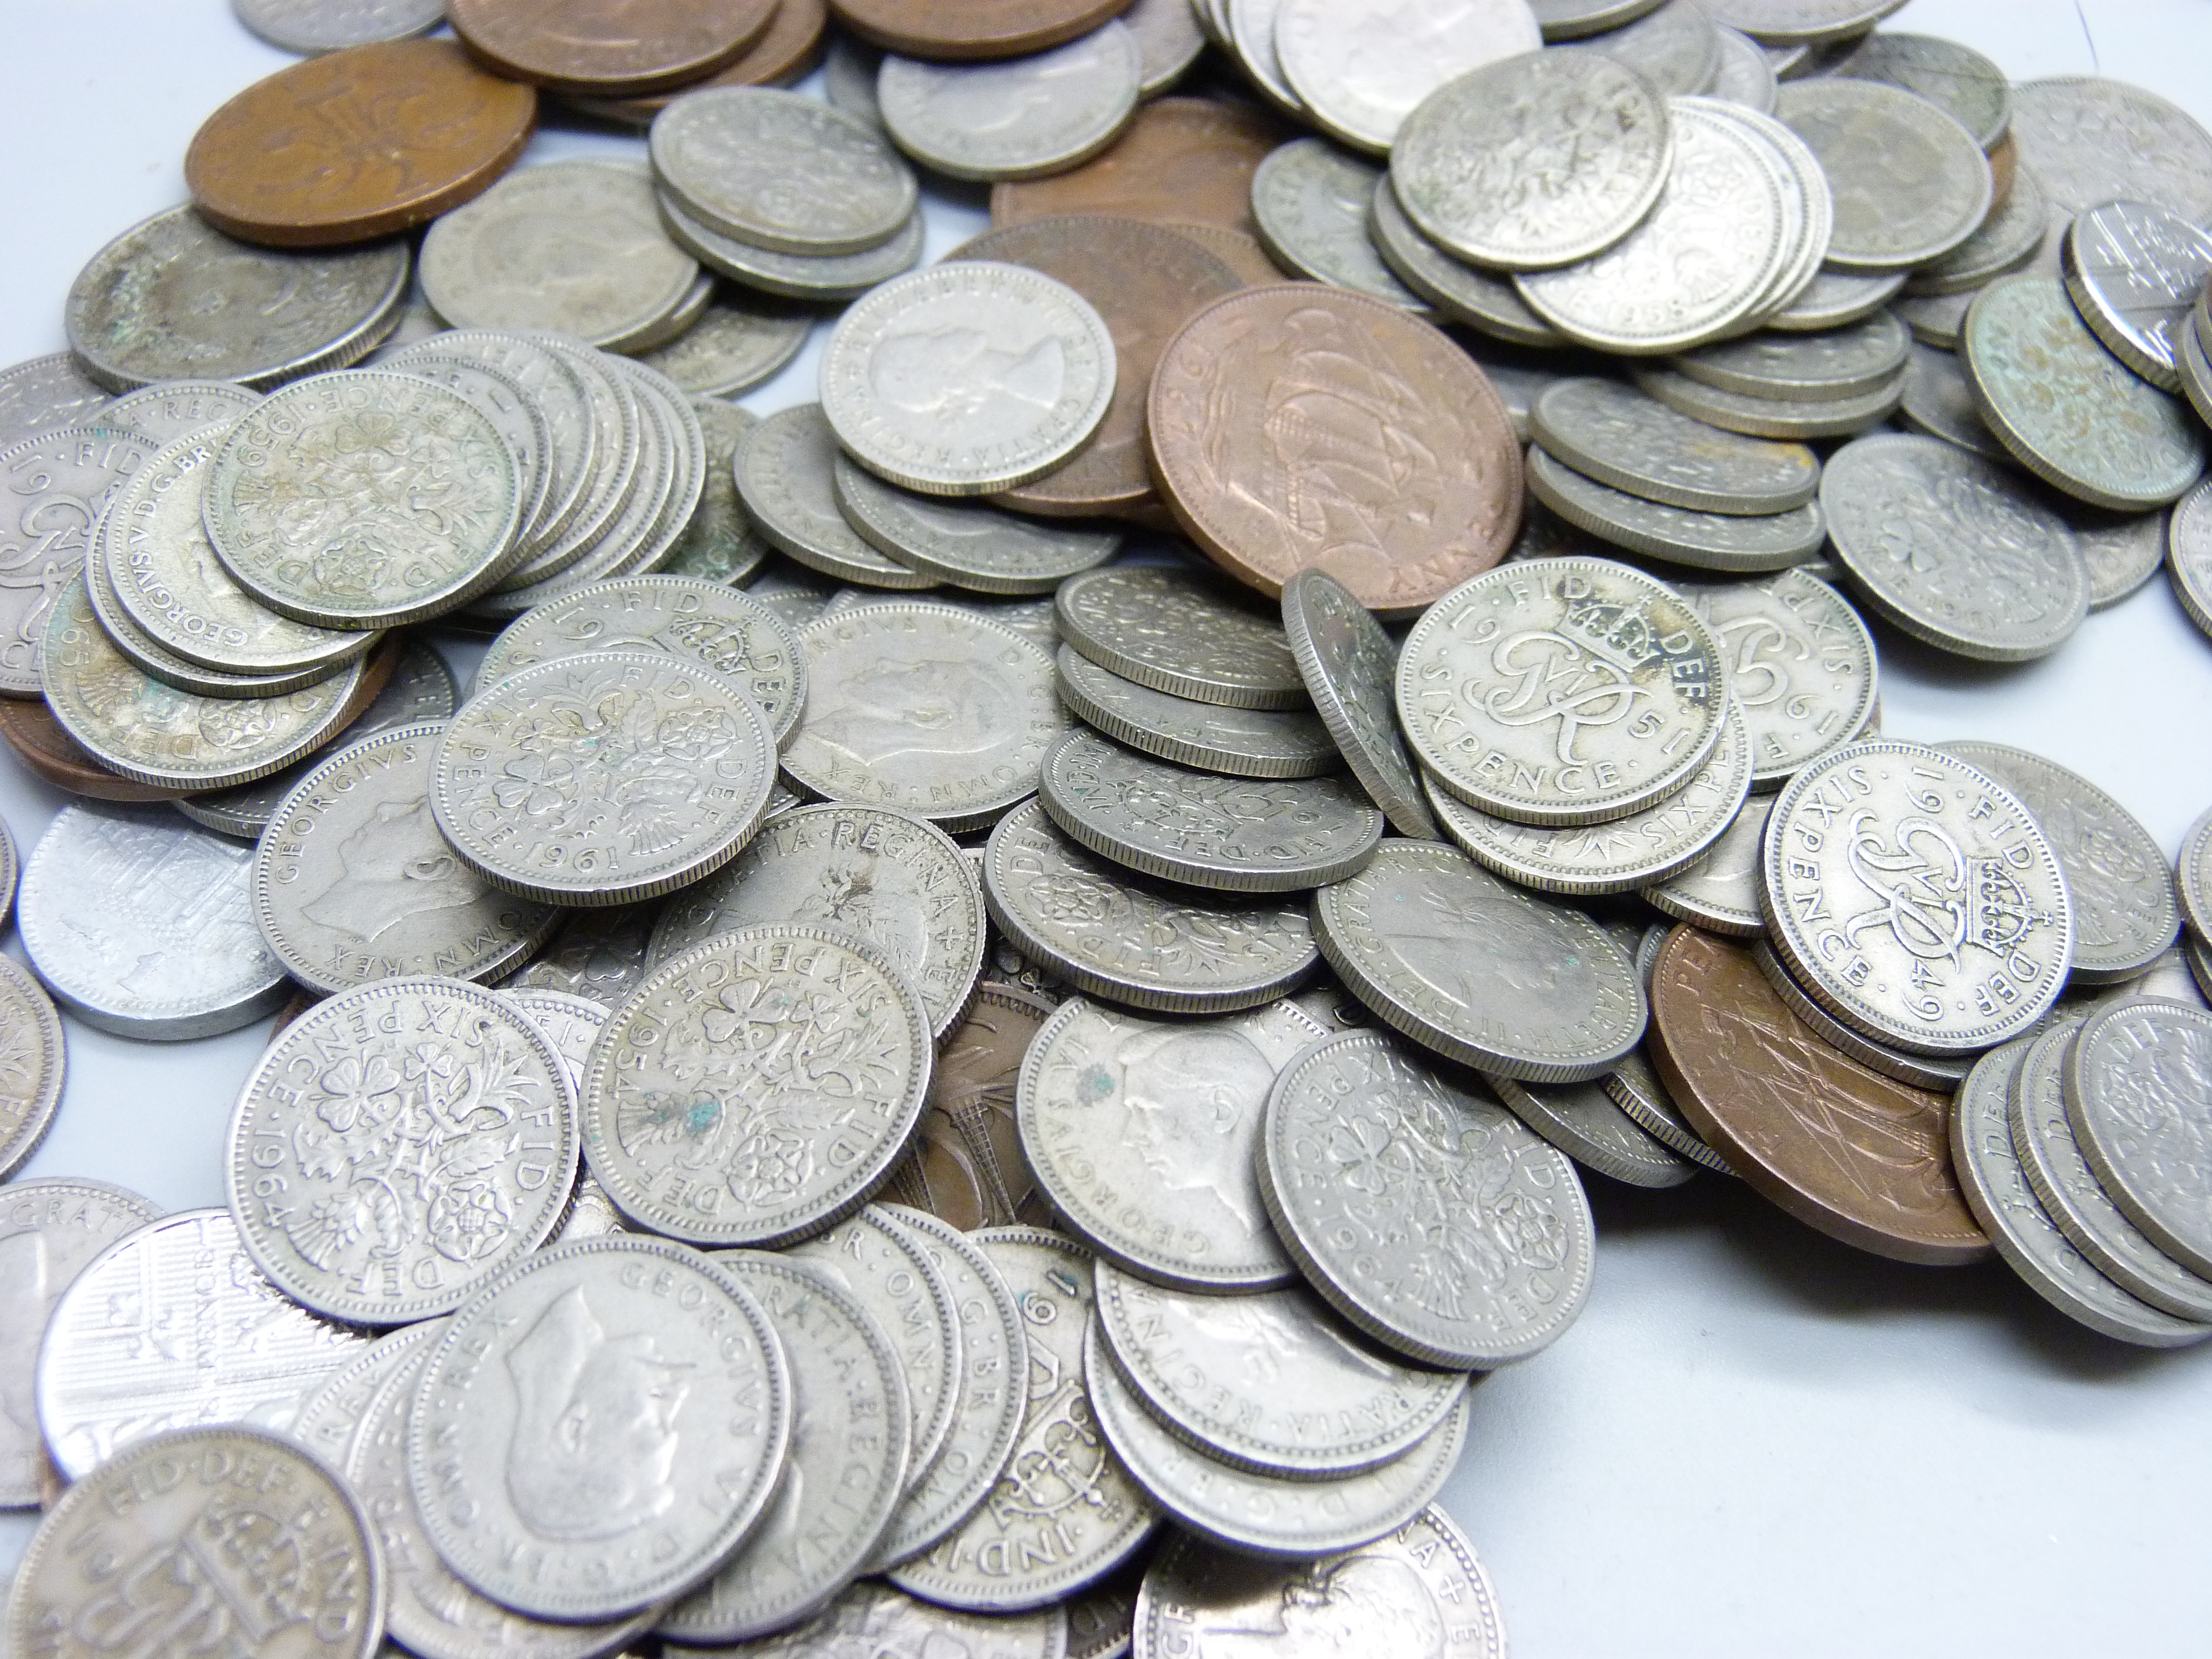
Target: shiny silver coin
[1359, 78]
[333, 1418]
[1939, 401]
[1241, 743]
[1835, 299]
[1940, 1072]
[1803, 671]
[1708, 541]
[102, 1386]
[1838, 365]
[311, 28]
[1349, 666]
[722, 1054]
[1622, 438]
[785, 470]
[969, 546]
[2135, 272]
[2138, 1084]
[1031, 1543]
[1310, 201]
[36, 1052]
[1910, 183]
[569, 1024]
[142, 925]
[781, 171]
[1022, 116]
[1572, 20]
[1584, 1122]
[60, 482]
[514, 413]
[1142, 1133]
[820, 278]
[600, 955]
[169, 410]
[42, 393]
[559, 1510]
[1460, 293]
[872, 1620]
[1180, 633]
[1636, 1088]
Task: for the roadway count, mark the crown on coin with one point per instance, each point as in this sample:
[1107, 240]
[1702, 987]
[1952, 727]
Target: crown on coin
[1998, 912]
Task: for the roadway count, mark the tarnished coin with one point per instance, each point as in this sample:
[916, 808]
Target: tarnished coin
[2124, 913]
[786, 469]
[1953, 548]
[1584, 1122]
[59, 483]
[1636, 1089]
[843, 1472]
[142, 925]
[872, 1620]
[525, 776]
[1801, 668]
[1349, 666]
[892, 881]
[1242, 743]
[1939, 401]
[1019, 118]
[1460, 293]
[2066, 408]
[966, 1166]
[1838, 365]
[1833, 300]
[924, 709]
[758, 1087]
[1148, 945]
[1037, 1537]
[1311, 201]
[969, 546]
[174, 299]
[1539, 161]
[2020, 233]
[2092, 140]
[507, 404]
[578, 46]
[786, 173]
[1562, 691]
[118, 1365]
[1426, 1215]
[1620, 437]
[1142, 1135]
[715, 626]
[1708, 541]
[1852, 1153]
[968, 377]
[258, 1540]
[31, 1038]
[2135, 272]
[169, 410]
[732, 348]
[1911, 184]
[1181, 160]
[1175, 631]
[813, 276]
[2138, 1087]
[1360, 76]
[598, 1428]
[42, 393]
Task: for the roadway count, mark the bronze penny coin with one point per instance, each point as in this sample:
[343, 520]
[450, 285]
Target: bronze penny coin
[1182, 160]
[38, 740]
[1145, 281]
[608, 48]
[357, 144]
[967, 1165]
[1299, 426]
[1861, 1157]
[1240, 253]
[973, 28]
[787, 50]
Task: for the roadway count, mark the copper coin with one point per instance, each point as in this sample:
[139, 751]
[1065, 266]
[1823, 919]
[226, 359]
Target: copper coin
[788, 50]
[1298, 425]
[41, 743]
[1861, 1158]
[1145, 281]
[357, 144]
[1240, 253]
[967, 1165]
[1181, 160]
[609, 48]
[973, 28]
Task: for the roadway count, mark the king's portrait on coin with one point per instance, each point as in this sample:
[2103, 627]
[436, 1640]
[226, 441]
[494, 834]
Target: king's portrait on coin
[1189, 1099]
[387, 876]
[1363, 1601]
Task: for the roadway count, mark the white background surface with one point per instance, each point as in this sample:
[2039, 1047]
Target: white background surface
[1755, 1440]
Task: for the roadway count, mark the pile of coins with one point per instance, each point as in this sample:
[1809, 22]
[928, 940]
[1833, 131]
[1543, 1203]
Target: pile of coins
[1067, 917]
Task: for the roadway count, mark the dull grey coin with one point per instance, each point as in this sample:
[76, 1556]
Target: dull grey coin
[786, 475]
[732, 348]
[892, 881]
[1955, 77]
[1675, 47]
[2123, 550]
[352, 882]
[9, 872]
[1359, 78]
[1170, 38]
[2138, 1086]
[1244, 743]
[1460, 293]
[1636, 1088]
[1722, 894]
[2092, 140]
[1803, 22]
[1939, 401]
[1746, 76]
[1708, 541]
[2023, 232]
[2189, 566]
[819, 277]
[1250, 38]
[571, 1025]
[1620, 437]
[174, 299]
[781, 171]
[872, 1620]
[630, 1504]
[1833, 298]
[1839, 364]
[1584, 1122]
[1954, 548]
[1018, 117]
[1310, 201]
[2134, 272]
[1180, 633]
[2193, 876]
[1033, 1541]
[1122, 936]
[1349, 666]
[969, 546]
[35, 1051]
[102, 1386]
[42, 393]
[1773, 418]
[1481, 970]
[1400, 1223]
[1936, 320]
[169, 410]
[142, 925]
[1142, 1132]
[1803, 671]
[59, 483]
[720, 544]
[1572, 20]
[311, 28]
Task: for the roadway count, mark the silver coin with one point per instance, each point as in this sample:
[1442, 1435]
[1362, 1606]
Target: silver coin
[174, 299]
[1572, 20]
[757, 1088]
[711, 624]
[1955, 77]
[1773, 418]
[42, 393]
[1419, 1590]
[1636, 1088]
[1954, 548]
[2122, 550]
[176, 1512]
[1910, 183]
[142, 925]
[1360, 72]
[169, 410]
[1180, 633]
[793, 591]
[332, 1417]
[1674, 46]
[58, 482]
[2170, 977]
[1584, 1122]
[2074, 1196]
[1258, 1514]
[1244, 742]
[720, 544]
[872, 1620]
[484, 264]
[1916, 899]
[848, 78]
[1941, 1073]
[397, 1147]
[1251, 40]
[1834, 299]
[785, 471]
[9, 870]
[1803, 671]
[1939, 401]
[514, 413]
[570, 1024]
[2134, 272]
[1839, 364]
[1349, 667]
[783, 171]
[924, 709]
[1710, 541]
[842, 1475]
[1029, 382]
[352, 881]
[2137, 1080]
[559, 1510]
[1620, 437]
[2189, 566]
[1117, 935]
[2193, 877]
[311, 28]
[1310, 203]
[2022, 232]
[125, 1357]
[1274, 1382]
[1539, 160]
[1460, 293]
[820, 277]
[597, 954]
[1426, 1215]
[1142, 1133]
[732, 348]
[969, 546]
[1745, 76]
[1804, 22]
[2092, 140]
[1937, 320]
[525, 773]
[32, 1045]
[50, 1231]
[892, 881]
[1168, 41]
[1019, 118]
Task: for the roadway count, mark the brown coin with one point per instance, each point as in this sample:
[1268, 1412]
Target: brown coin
[1298, 425]
[41, 744]
[967, 1165]
[357, 144]
[1182, 160]
[1240, 253]
[973, 28]
[1861, 1157]
[608, 48]
[788, 50]
[1145, 281]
